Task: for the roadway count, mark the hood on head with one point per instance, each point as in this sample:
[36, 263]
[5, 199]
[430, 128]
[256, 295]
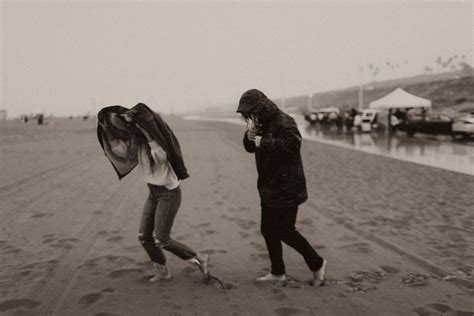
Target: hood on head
[251, 100]
[255, 101]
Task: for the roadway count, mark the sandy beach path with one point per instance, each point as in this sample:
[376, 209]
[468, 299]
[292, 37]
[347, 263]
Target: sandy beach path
[68, 236]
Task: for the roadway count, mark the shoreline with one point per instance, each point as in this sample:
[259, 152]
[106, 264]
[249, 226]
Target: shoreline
[466, 166]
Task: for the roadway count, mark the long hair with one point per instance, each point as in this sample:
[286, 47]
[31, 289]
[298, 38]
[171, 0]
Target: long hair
[129, 136]
[134, 140]
[256, 107]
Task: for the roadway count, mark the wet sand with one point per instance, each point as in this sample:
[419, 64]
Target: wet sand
[68, 234]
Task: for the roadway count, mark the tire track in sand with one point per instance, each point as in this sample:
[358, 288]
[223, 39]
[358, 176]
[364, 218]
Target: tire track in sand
[52, 292]
[40, 176]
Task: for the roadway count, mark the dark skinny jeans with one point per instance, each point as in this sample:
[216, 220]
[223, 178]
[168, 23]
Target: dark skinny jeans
[277, 225]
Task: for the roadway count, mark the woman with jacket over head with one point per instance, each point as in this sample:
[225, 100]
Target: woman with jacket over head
[139, 136]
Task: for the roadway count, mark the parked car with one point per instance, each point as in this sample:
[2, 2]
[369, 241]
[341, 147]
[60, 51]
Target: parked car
[429, 124]
[322, 115]
[464, 126]
[369, 120]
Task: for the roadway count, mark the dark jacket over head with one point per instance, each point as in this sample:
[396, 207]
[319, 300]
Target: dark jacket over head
[281, 179]
[154, 124]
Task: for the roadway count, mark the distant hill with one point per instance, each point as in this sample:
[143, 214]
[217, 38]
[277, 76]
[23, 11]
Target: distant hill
[453, 91]
[450, 93]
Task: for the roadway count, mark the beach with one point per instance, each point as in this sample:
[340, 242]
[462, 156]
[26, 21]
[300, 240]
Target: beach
[398, 236]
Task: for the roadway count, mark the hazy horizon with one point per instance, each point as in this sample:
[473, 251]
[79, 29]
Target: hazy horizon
[70, 58]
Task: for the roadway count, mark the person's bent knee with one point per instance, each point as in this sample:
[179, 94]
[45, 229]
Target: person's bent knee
[162, 243]
[144, 240]
[285, 235]
[268, 232]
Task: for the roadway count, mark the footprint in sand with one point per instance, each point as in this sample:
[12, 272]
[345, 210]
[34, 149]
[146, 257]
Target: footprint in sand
[49, 264]
[40, 215]
[90, 298]
[71, 239]
[258, 256]
[279, 296]
[345, 238]
[306, 222]
[134, 248]
[360, 247]
[108, 290]
[201, 225]
[188, 270]
[247, 224]
[49, 240]
[232, 209]
[145, 264]
[115, 239]
[213, 251]
[7, 249]
[227, 218]
[63, 245]
[369, 276]
[244, 234]
[389, 269]
[18, 303]
[437, 309]
[25, 273]
[235, 307]
[124, 272]
[175, 306]
[258, 246]
[287, 311]
[118, 260]
[183, 237]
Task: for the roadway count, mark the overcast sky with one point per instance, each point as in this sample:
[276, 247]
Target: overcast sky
[63, 57]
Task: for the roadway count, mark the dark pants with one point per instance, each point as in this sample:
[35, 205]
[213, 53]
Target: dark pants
[158, 216]
[278, 224]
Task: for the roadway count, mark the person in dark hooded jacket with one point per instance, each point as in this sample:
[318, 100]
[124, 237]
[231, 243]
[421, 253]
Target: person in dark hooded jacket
[273, 137]
[140, 137]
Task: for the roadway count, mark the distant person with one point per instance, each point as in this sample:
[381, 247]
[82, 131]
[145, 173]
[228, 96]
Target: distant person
[357, 121]
[40, 119]
[401, 116]
[347, 120]
[394, 122]
[274, 138]
[141, 137]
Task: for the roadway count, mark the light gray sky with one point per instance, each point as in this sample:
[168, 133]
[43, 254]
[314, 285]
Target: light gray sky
[64, 56]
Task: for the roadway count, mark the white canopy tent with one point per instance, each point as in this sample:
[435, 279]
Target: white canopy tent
[399, 99]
